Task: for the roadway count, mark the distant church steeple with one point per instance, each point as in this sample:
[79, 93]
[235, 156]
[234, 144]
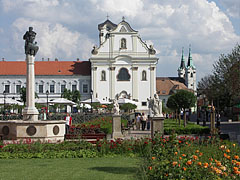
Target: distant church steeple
[190, 77]
[181, 69]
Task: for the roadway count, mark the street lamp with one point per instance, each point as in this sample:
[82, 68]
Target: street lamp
[91, 100]
[4, 103]
[47, 93]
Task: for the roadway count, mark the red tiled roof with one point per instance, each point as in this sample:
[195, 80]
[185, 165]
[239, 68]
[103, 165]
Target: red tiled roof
[47, 68]
[165, 85]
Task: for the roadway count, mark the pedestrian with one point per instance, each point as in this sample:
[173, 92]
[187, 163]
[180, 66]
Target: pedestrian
[138, 121]
[143, 121]
[68, 123]
[148, 123]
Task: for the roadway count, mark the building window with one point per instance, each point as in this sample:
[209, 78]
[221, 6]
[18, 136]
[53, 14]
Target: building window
[164, 100]
[40, 88]
[123, 43]
[18, 87]
[164, 92]
[74, 87]
[103, 76]
[7, 89]
[63, 86]
[85, 88]
[52, 88]
[144, 103]
[191, 74]
[123, 75]
[144, 75]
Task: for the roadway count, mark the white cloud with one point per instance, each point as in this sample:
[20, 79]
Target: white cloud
[232, 7]
[54, 40]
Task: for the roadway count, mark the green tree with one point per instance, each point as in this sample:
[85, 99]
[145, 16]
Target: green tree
[76, 96]
[184, 100]
[23, 95]
[127, 107]
[67, 94]
[173, 105]
[222, 86]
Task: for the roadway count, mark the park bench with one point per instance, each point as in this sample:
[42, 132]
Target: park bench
[92, 138]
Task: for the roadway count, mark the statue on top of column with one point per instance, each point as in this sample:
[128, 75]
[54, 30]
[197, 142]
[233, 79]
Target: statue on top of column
[31, 47]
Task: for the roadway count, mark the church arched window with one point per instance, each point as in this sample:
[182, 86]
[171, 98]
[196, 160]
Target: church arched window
[123, 43]
[103, 76]
[144, 75]
[123, 75]
[191, 75]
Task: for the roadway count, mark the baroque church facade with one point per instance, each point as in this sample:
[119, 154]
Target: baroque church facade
[123, 66]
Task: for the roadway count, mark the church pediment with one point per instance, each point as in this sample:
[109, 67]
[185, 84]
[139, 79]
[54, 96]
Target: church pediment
[124, 27]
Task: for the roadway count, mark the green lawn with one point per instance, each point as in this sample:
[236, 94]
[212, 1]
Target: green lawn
[112, 168]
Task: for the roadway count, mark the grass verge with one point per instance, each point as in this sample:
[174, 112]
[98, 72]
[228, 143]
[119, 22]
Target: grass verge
[84, 168]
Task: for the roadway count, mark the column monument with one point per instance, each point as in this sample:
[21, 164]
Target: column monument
[30, 113]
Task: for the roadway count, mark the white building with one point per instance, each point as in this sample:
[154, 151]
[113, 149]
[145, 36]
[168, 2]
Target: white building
[123, 66]
[53, 76]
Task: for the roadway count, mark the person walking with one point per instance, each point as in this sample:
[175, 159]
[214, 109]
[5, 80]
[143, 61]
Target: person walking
[148, 123]
[138, 121]
[144, 121]
[68, 123]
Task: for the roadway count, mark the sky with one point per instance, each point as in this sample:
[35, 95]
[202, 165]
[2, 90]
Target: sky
[67, 29]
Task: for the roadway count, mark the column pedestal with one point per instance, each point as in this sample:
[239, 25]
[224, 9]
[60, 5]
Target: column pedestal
[157, 124]
[116, 127]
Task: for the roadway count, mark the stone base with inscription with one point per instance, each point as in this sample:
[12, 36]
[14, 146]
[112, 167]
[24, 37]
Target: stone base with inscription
[157, 124]
[50, 131]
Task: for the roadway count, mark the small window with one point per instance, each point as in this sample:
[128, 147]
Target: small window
[191, 74]
[7, 89]
[40, 88]
[144, 75]
[18, 87]
[74, 87]
[164, 92]
[85, 88]
[63, 86]
[52, 88]
[123, 43]
[123, 75]
[164, 100]
[144, 103]
[103, 76]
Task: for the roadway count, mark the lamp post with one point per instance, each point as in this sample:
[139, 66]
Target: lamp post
[91, 100]
[47, 93]
[4, 103]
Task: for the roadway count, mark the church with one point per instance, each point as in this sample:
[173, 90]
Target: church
[122, 66]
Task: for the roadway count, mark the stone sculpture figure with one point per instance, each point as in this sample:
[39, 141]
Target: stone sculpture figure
[31, 47]
[155, 105]
[115, 107]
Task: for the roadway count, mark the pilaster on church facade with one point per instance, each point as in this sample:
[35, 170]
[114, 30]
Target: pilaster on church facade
[126, 63]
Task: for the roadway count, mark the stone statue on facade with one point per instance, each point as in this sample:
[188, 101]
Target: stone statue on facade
[155, 104]
[115, 107]
[31, 47]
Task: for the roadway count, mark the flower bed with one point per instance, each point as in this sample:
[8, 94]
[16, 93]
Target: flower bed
[192, 158]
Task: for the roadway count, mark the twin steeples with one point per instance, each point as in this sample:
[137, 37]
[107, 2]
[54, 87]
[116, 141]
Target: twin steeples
[188, 73]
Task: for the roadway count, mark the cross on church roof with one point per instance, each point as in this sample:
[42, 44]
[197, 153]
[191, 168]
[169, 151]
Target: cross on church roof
[107, 16]
[123, 18]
